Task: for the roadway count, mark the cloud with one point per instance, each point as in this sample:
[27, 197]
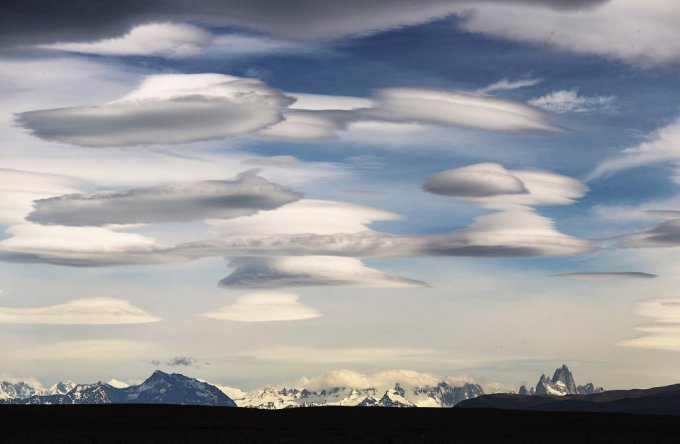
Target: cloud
[638, 33]
[179, 40]
[665, 235]
[516, 233]
[301, 19]
[18, 190]
[506, 85]
[265, 307]
[181, 361]
[479, 180]
[163, 39]
[491, 185]
[568, 101]
[80, 246]
[605, 275]
[303, 271]
[664, 331]
[382, 380]
[304, 216]
[324, 117]
[165, 109]
[85, 311]
[661, 146]
[224, 199]
[80, 352]
[457, 108]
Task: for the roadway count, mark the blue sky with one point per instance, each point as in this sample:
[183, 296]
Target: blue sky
[550, 129]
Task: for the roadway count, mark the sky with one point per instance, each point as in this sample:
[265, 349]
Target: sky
[255, 192]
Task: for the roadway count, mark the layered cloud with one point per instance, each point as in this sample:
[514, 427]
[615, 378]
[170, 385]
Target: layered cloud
[664, 331]
[479, 180]
[569, 101]
[493, 186]
[665, 235]
[163, 39]
[304, 216]
[225, 199]
[165, 109]
[661, 146]
[642, 33]
[18, 190]
[459, 108]
[605, 275]
[300, 19]
[179, 40]
[80, 246]
[379, 380]
[265, 307]
[178, 108]
[86, 311]
[304, 271]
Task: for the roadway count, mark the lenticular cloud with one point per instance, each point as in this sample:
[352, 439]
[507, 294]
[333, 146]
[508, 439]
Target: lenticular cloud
[165, 109]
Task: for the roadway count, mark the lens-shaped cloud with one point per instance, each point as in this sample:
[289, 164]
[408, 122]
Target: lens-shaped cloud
[265, 307]
[305, 271]
[165, 109]
[223, 199]
[86, 311]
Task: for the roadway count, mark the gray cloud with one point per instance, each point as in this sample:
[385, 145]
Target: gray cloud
[480, 180]
[221, 199]
[605, 275]
[304, 271]
[165, 109]
[665, 235]
[48, 21]
[181, 361]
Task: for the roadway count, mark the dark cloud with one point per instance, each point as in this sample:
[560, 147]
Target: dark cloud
[604, 275]
[181, 361]
[220, 199]
[47, 21]
[665, 235]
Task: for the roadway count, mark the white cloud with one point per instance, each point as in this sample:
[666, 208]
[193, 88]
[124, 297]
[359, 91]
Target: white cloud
[666, 234]
[161, 39]
[569, 101]
[85, 311]
[265, 307]
[18, 190]
[382, 380]
[664, 331]
[506, 85]
[303, 271]
[165, 109]
[80, 351]
[304, 216]
[80, 246]
[458, 108]
[180, 40]
[661, 146]
[519, 232]
[642, 33]
[271, 160]
[224, 199]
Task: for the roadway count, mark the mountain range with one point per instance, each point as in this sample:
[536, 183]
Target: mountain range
[561, 384]
[159, 388]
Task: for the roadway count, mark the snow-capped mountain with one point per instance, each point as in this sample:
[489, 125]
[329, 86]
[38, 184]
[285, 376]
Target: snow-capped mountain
[401, 394]
[160, 388]
[23, 390]
[561, 384]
